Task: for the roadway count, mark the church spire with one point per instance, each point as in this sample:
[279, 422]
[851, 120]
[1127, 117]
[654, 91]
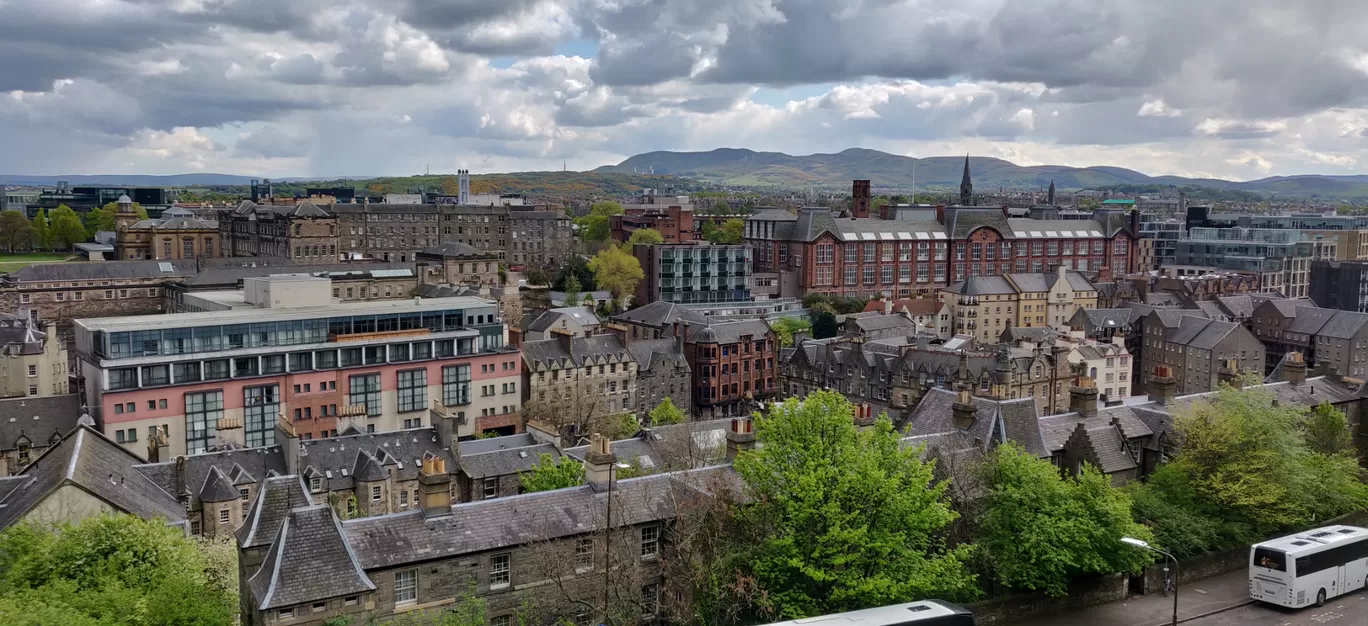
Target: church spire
[966, 186]
[1049, 198]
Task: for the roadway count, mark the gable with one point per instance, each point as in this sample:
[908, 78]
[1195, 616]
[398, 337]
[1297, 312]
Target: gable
[68, 504]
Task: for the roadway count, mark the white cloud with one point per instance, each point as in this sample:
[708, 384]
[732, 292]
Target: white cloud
[1157, 108]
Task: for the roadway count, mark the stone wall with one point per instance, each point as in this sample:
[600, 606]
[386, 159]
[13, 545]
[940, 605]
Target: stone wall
[1018, 606]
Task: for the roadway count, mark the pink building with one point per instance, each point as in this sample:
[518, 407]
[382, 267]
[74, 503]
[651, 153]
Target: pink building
[225, 377]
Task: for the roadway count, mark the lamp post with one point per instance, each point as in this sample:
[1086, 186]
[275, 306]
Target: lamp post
[1146, 546]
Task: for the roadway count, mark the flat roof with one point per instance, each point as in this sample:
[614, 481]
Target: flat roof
[1314, 538]
[243, 316]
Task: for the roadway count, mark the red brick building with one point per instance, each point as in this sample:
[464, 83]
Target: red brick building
[924, 248]
[733, 365]
[674, 222]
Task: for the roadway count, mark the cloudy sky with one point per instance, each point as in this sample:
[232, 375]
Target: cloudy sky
[1231, 88]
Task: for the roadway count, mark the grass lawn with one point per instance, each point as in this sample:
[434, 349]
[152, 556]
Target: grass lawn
[13, 262]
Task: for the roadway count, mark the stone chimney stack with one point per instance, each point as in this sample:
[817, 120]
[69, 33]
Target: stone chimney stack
[158, 447]
[1119, 339]
[1229, 373]
[1083, 397]
[1162, 386]
[600, 469]
[1294, 368]
[864, 416]
[740, 437]
[435, 485]
[288, 440]
[964, 410]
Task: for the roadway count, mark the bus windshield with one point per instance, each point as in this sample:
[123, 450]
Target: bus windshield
[1268, 558]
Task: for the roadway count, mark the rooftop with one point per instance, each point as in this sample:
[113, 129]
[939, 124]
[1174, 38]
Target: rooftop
[215, 318]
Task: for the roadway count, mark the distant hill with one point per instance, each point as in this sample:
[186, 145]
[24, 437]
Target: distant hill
[133, 180]
[732, 166]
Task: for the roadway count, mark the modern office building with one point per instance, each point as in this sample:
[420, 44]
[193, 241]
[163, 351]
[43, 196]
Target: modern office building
[694, 273]
[286, 348]
[1159, 235]
[1282, 258]
[1340, 285]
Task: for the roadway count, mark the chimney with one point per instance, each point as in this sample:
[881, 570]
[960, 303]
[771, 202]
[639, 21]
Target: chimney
[565, 337]
[1294, 368]
[1119, 339]
[445, 423]
[435, 483]
[288, 440]
[1162, 386]
[158, 447]
[864, 416]
[1229, 373]
[600, 464]
[740, 437]
[964, 410]
[1083, 397]
[680, 334]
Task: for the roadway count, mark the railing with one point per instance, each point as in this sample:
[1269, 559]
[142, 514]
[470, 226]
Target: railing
[383, 334]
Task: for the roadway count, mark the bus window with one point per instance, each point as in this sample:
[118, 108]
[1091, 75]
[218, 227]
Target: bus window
[1270, 559]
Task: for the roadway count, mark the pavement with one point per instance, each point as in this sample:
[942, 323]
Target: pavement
[1195, 600]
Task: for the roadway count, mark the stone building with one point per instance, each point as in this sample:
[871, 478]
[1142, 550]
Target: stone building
[662, 372]
[1196, 350]
[459, 264]
[61, 292]
[303, 232]
[38, 424]
[579, 321]
[985, 306]
[177, 234]
[33, 362]
[1328, 338]
[351, 282]
[574, 380]
[539, 238]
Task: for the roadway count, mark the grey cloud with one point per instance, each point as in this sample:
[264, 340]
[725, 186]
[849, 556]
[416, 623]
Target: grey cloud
[272, 142]
[301, 69]
[642, 62]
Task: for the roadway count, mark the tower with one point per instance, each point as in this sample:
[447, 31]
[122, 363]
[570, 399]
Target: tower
[966, 186]
[1049, 196]
[463, 187]
[860, 198]
[125, 217]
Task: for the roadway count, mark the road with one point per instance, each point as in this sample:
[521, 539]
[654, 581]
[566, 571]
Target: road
[1350, 610]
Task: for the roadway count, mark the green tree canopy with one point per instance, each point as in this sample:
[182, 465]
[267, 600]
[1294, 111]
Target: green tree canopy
[16, 233]
[1327, 431]
[40, 229]
[666, 413]
[572, 291]
[102, 218]
[579, 268]
[114, 570]
[1041, 529]
[784, 327]
[66, 229]
[551, 473]
[617, 271]
[594, 226]
[731, 231]
[839, 518]
[645, 236]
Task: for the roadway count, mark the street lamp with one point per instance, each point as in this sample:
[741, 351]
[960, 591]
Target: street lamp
[1144, 545]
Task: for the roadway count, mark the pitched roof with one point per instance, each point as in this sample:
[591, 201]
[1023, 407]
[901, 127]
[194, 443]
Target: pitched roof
[690, 445]
[1309, 320]
[40, 420]
[1343, 324]
[457, 250]
[729, 332]
[994, 420]
[103, 270]
[648, 351]
[478, 446]
[335, 458]
[275, 498]
[883, 322]
[393, 540]
[595, 350]
[811, 223]
[256, 462]
[367, 468]
[505, 462]
[309, 560]
[660, 314]
[981, 285]
[217, 488]
[579, 314]
[1108, 318]
[89, 460]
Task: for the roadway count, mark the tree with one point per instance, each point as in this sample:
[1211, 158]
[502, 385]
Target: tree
[1327, 431]
[618, 272]
[1041, 529]
[66, 230]
[16, 233]
[785, 327]
[40, 229]
[594, 226]
[551, 473]
[666, 414]
[649, 236]
[114, 570]
[579, 268]
[841, 519]
[102, 218]
[878, 203]
[709, 231]
[537, 275]
[824, 324]
[732, 231]
[572, 291]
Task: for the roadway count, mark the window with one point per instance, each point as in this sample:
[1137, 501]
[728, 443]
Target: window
[491, 487]
[285, 614]
[351, 600]
[261, 406]
[365, 389]
[650, 599]
[202, 413]
[406, 586]
[500, 566]
[319, 607]
[584, 554]
[223, 516]
[502, 620]
[412, 390]
[650, 541]
[33, 371]
[375, 494]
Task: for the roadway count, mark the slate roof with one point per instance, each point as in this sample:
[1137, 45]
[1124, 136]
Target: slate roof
[960, 222]
[1042, 282]
[258, 462]
[1035, 334]
[1212, 334]
[1108, 318]
[1343, 324]
[505, 462]
[231, 275]
[478, 446]
[275, 498]
[401, 538]
[1239, 307]
[729, 332]
[883, 322]
[456, 250]
[811, 223]
[1309, 320]
[994, 422]
[690, 445]
[102, 270]
[981, 285]
[217, 488]
[367, 468]
[335, 458]
[309, 560]
[660, 314]
[89, 460]
[1056, 429]
[648, 351]
[41, 420]
[551, 317]
[1107, 446]
[595, 350]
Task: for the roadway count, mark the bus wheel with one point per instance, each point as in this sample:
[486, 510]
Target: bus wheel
[1320, 598]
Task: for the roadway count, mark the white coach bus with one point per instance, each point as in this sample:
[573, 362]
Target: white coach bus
[924, 613]
[1310, 567]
